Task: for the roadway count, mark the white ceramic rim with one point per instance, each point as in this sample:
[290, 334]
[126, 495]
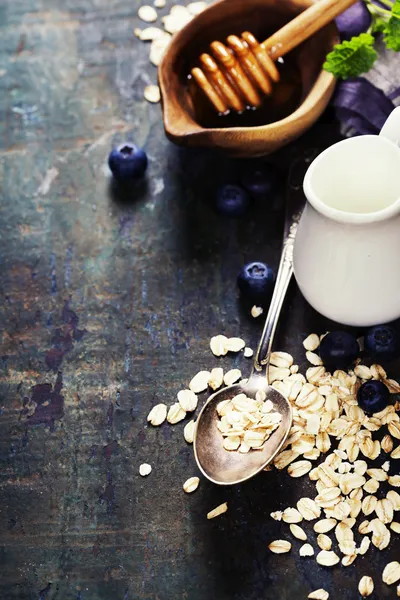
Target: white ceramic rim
[340, 215]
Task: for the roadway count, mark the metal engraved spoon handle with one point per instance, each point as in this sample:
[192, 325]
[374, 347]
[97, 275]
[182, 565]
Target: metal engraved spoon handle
[217, 464]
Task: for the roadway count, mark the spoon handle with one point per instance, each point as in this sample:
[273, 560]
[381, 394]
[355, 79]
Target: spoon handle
[294, 207]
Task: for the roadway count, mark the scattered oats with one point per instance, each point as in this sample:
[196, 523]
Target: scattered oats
[300, 468]
[394, 480]
[298, 532]
[313, 424]
[188, 400]
[387, 444]
[384, 510]
[314, 359]
[380, 534]
[175, 414]
[364, 528]
[157, 415]
[284, 459]
[147, 14]
[216, 378]
[364, 546]
[235, 344]
[281, 359]
[320, 594]
[218, 345]
[150, 33]
[306, 550]
[395, 453]
[378, 474]
[392, 385]
[395, 526]
[291, 515]
[312, 455]
[398, 590]
[248, 352]
[231, 443]
[360, 467]
[158, 49]
[363, 372]
[277, 373]
[368, 504]
[391, 573]
[394, 498]
[219, 510]
[378, 372]
[294, 369]
[324, 542]
[280, 546]
[311, 343]
[348, 560]
[195, 8]
[159, 3]
[343, 533]
[327, 558]
[199, 383]
[261, 396]
[366, 586]
[371, 486]
[137, 32]
[188, 432]
[232, 376]
[144, 470]
[277, 515]
[256, 311]
[324, 525]
[178, 17]
[308, 509]
[191, 484]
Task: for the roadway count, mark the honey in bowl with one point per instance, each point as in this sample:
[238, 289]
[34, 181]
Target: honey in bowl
[286, 96]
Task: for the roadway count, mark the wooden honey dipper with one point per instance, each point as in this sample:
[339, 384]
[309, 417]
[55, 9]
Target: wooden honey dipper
[234, 76]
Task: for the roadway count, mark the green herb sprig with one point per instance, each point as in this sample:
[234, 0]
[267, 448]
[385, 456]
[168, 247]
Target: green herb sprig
[357, 56]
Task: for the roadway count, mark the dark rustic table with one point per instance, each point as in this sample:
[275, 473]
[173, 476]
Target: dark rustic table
[108, 305]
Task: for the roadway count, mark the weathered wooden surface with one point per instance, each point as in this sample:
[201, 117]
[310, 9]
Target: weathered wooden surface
[107, 308]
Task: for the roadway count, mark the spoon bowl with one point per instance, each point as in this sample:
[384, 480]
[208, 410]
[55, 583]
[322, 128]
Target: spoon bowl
[226, 468]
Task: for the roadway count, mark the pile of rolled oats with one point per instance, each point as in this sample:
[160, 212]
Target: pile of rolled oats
[160, 38]
[355, 501]
[247, 423]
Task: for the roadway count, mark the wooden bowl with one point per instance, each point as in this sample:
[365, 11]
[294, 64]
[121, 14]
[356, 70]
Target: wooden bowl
[296, 102]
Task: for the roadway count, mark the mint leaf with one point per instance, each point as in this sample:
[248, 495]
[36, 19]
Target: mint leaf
[353, 57]
[379, 25]
[392, 29]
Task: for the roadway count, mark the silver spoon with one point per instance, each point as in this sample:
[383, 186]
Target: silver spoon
[226, 467]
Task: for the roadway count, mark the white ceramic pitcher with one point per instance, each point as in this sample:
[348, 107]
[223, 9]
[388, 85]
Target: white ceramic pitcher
[347, 248]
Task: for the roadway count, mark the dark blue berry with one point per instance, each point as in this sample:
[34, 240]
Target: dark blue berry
[260, 180]
[354, 20]
[232, 200]
[338, 350]
[381, 343]
[373, 396]
[256, 282]
[127, 162]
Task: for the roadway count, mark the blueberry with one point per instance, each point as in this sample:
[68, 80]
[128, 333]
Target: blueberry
[381, 342]
[232, 200]
[338, 350]
[256, 282]
[354, 20]
[260, 180]
[373, 396]
[127, 162]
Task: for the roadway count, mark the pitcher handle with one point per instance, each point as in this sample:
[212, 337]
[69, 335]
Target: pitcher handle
[391, 129]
